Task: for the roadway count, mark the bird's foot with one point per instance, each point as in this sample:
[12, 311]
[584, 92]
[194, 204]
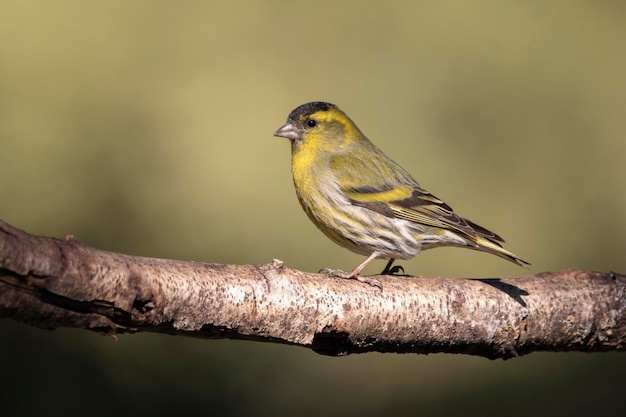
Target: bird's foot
[338, 273]
[391, 270]
[395, 270]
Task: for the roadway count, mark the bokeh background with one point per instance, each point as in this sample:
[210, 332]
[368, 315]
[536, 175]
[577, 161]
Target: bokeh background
[145, 127]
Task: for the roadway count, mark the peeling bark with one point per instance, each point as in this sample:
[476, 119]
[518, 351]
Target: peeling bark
[52, 283]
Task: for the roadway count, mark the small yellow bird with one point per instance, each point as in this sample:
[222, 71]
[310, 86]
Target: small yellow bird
[364, 201]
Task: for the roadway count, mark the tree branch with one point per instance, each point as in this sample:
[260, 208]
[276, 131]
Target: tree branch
[54, 283]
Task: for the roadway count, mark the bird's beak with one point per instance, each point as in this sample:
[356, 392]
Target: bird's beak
[289, 131]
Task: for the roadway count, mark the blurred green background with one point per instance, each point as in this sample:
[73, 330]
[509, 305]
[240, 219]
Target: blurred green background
[145, 127]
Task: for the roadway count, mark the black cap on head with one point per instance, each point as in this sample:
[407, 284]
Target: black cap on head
[310, 108]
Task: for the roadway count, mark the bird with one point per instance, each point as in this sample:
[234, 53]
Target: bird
[367, 203]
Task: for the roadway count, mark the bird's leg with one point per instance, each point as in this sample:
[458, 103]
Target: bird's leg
[391, 271]
[387, 267]
[354, 274]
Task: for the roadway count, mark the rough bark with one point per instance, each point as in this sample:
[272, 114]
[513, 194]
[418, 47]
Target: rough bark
[53, 283]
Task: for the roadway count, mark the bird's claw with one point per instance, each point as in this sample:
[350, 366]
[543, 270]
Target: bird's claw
[338, 273]
[394, 270]
[368, 280]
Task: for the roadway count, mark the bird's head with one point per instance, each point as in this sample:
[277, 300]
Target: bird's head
[320, 128]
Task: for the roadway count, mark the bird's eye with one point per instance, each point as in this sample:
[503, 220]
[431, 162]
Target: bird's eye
[311, 123]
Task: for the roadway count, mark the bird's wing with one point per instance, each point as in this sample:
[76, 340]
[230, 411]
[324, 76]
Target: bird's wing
[413, 203]
[391, 191]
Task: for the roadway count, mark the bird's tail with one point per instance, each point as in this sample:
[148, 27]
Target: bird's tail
[493, 247]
